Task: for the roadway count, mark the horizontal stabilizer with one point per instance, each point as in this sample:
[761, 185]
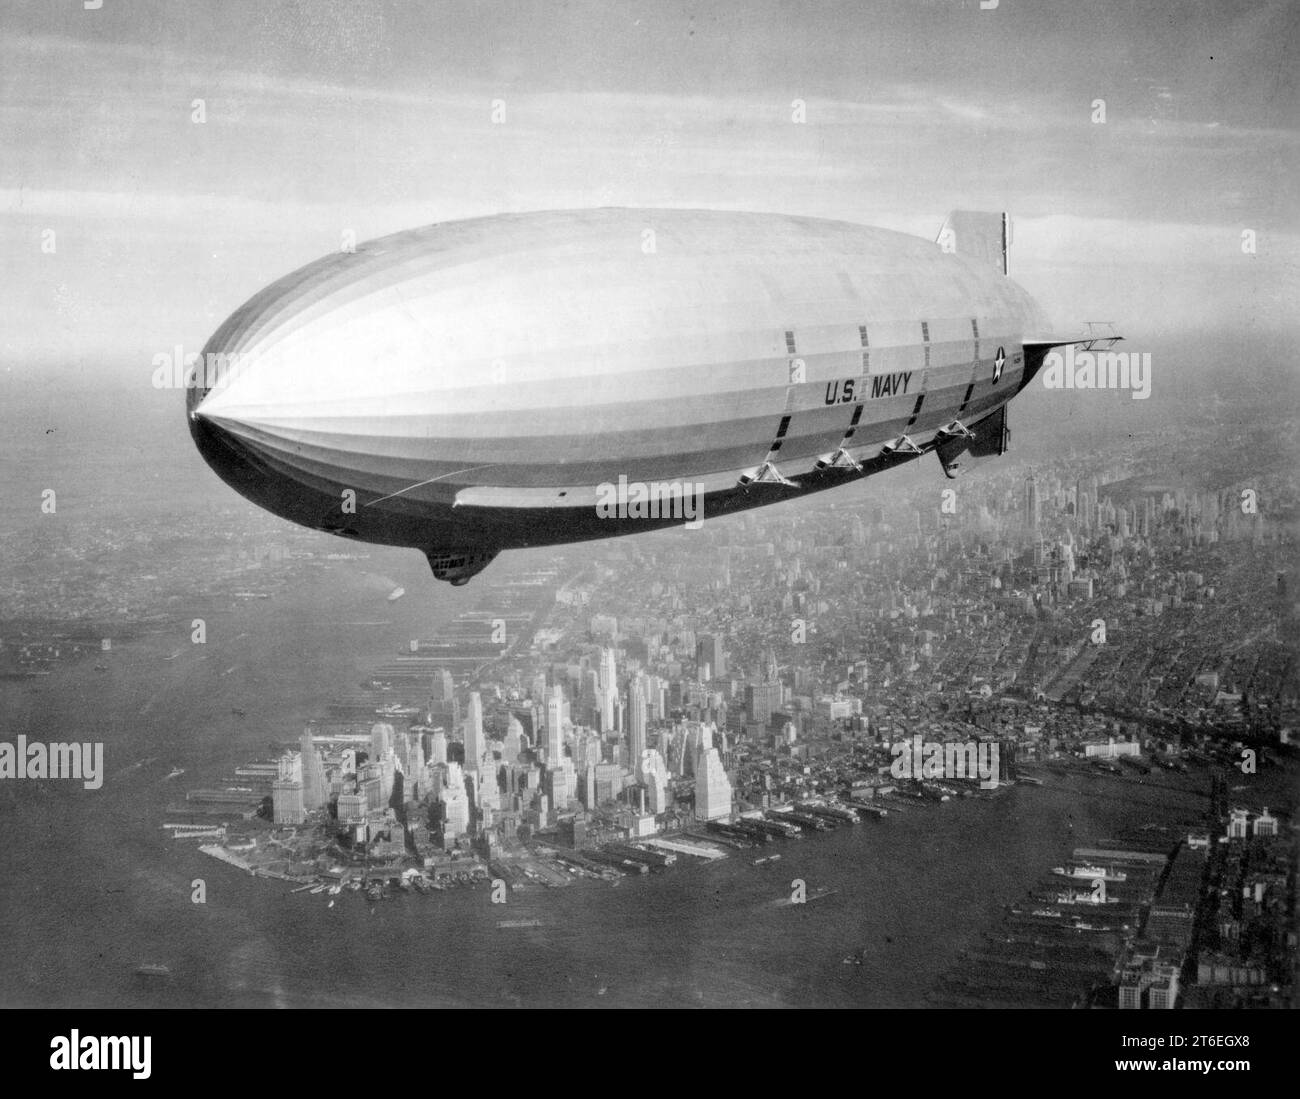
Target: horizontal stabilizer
[983, 237]
[1100, 334]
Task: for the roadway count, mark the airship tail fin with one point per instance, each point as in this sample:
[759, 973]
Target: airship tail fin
[979, 235]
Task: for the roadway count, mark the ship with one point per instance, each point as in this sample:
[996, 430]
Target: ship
[1090, 873]
[1071, 897]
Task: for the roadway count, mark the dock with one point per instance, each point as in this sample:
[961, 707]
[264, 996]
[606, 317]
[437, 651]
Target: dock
[681, 847]
[225, 856]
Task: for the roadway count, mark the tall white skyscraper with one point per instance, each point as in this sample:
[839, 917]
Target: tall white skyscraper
[314, 790]
[489, 793]
[654, 692]
[555, 725]
[652, 771]
[286, 791]
[455, 804]
[637, 721]
[474, 733]
[712, 787]
[608, 691]
[514, 742]
[438, 747]
[608, 669]
[381, 739]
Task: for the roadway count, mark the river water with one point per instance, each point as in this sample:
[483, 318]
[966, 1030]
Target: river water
[92, 887]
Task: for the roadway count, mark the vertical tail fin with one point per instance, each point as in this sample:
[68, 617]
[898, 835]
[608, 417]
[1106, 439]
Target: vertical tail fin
[981, 236]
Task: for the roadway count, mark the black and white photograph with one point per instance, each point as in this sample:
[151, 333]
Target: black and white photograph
[617, 504]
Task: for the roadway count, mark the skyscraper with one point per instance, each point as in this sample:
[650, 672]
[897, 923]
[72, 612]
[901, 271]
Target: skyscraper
[443, 707]
[712, 787]
[455, 802]
[1033, 507]
[514, 743]
[708, 654]
[381, 739]
[555, 725]
[608, 691]
[286, 791]
[314, 792]
[442, 689]
[474, 746]
[489, 791]
[653, 773]
[438, 747]
[637, 721]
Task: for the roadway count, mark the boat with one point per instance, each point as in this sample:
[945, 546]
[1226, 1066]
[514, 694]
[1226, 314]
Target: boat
[1071, 897]
[1089, 873]
[152, 970]
[396, 594]
[176, 773]
[236, 710]
[766, 859]
[318, 888]
[101, 667]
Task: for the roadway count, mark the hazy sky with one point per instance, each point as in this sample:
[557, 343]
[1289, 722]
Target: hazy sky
[327, 117]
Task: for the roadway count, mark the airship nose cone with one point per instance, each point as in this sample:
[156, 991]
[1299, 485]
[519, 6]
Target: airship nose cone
[229, 458]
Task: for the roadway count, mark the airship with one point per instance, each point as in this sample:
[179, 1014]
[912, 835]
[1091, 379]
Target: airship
[545, 378]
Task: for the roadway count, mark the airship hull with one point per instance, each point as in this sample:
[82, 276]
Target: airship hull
[545, 378]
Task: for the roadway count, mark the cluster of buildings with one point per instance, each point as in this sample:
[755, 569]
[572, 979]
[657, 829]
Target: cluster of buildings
[590, 746]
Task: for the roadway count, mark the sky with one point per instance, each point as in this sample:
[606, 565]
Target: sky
[128, 226]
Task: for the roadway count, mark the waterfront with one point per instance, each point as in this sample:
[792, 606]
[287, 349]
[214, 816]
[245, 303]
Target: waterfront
[95, 890]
